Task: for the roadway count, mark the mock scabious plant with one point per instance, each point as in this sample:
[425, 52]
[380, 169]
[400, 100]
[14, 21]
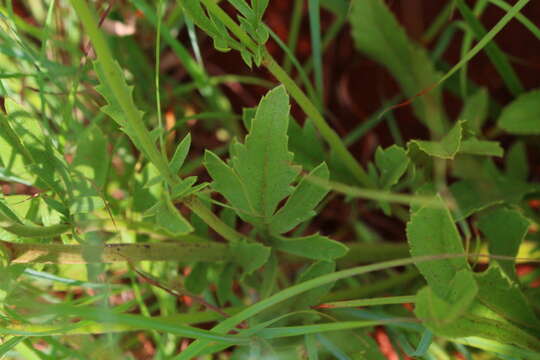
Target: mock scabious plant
[107, 230]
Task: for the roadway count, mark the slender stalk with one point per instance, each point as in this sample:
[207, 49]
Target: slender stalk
[389, 300]
[84, 254]
[212, 220]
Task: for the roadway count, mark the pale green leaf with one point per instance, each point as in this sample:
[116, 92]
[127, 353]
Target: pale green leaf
[86, 204]
[392, 163]
[229, 184]
[180, 154]
[317, 247]
[169, 219]
[299, 206]
[474, 146]
[91, 159]
[431, 231]
[505, 230]
[250, 256]
[522, 116]
[446, 148]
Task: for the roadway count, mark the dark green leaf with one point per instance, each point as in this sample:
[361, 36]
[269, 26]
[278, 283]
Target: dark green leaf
[475, 111]
[504, 229]
[503, 295]
[431, 231]
[517, 165]
[522, 116]
[299, 206]
[440, 311]
[315, 247]
[392, 163]
[250, 256]
[197, 280]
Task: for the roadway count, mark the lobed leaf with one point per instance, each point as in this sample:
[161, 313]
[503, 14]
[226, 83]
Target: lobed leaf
[446, 148]
[504, 230]
[431, 231]
[315, 247]
[299, 206]
[392, 163]
[522, 116]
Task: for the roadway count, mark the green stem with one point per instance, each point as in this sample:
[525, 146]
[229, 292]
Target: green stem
[373, 288]
[211, 219]
[389, 300]
[84, 254]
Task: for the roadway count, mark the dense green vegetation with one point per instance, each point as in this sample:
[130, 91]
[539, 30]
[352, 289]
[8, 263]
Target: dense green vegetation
[147, 217]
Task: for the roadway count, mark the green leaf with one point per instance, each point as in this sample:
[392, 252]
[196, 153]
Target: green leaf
[306, 145]
[261, 171]
[224, 284]
[180, 154]
[446, 148]
[505, 230]
[194, 10]
[475, 111]
[92, 159]
[474, 146]
[517, 165]
[431, 231]
[486, 188]
[317, 247]
[299, 206]
[229, 184]
[86, 204]
[522, 116]
[197, 280]
[392, 163]
[378, 34]
[502, 294]
[169, 219]
[250, 256]
[439, 311]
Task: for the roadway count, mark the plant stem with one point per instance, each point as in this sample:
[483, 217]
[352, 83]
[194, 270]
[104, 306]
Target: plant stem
[211, 219]
[373, 288]
[84, 254]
